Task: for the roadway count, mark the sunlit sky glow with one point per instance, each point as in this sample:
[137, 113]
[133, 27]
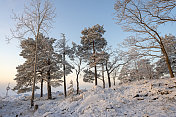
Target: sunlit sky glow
[71, 17]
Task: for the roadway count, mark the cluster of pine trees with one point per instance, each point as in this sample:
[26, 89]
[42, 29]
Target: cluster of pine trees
[55, 60]
[139, 57]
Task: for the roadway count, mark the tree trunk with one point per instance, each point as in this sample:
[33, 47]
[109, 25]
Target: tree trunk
[65, 90]
[95, 75]
[169, 66]
[109, 79]
[108, 74]
[167, 59]
[103, 76]
[41, 94]
[49, 89]
[35, 68]
[95, 63]
[114, 80]
[48, 83]
[77, 76]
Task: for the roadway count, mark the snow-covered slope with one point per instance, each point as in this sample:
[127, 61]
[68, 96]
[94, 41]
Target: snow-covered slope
[154, 98]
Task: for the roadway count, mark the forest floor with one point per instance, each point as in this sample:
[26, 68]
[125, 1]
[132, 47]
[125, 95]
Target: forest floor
[145, 98]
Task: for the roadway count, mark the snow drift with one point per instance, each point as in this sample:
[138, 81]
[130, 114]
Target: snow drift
[141, 98]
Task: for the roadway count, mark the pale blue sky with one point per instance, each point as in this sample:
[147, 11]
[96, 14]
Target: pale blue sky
[72, 17]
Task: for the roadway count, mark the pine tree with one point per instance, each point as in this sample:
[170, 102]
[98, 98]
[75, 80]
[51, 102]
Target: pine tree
[89, 76]
[64, 50]
[93, 42]
[48, 65]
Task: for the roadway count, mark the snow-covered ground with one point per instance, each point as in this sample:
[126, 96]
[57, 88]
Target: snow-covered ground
[154, 98]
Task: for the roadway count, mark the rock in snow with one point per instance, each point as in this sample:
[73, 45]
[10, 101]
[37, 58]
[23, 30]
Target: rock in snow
[145, 98]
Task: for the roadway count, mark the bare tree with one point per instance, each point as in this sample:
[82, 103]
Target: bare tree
[111, 64]
[36, 18]
[134, 17]
[162, 10]
[77, 61]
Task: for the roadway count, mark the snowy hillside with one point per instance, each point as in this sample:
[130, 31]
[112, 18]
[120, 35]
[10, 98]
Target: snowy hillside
[154, 98]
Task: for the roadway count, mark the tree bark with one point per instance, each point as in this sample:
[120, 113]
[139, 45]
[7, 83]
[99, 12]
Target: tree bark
[108, 74]
[95, 75]
[41, 94]
[114, 81]
[65, 90]
[114, 77]
[103, 76]
[77, 76]
[48, 83]
[95, 63]
[49, 89]
[109, 79]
